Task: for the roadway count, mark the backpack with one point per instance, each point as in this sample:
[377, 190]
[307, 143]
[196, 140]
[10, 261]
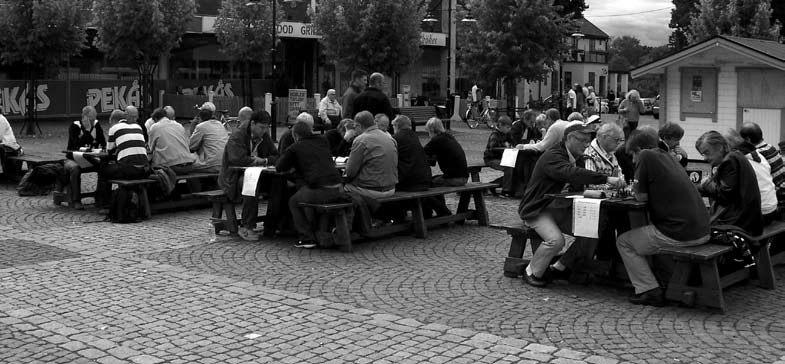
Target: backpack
[741, 255]
[125, 207]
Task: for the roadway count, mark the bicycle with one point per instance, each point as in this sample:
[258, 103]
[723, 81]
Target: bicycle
[488, 115]
[229, 123]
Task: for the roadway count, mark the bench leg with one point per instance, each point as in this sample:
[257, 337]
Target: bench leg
[479, 206]
[144, 201]
[475, 176]
[765, 267]
[711, 289]
[678, 290]
[514, 264]
[342, 236]
[418, 219]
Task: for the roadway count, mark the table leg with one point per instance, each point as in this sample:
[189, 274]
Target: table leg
[274, 204]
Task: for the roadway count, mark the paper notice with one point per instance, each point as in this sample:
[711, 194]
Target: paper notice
[251, 180]
[586, 217]
[509, 157]
[81, 161]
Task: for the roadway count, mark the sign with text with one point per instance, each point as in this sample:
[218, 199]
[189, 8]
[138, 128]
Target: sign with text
[433, 39]
[297, 99]
[288, 29]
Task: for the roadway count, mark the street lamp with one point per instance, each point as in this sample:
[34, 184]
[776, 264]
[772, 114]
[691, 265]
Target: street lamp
[273, 112]
[575, 36]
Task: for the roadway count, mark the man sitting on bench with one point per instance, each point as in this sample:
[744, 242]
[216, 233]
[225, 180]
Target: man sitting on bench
[555, 168]
[208, 141]
[169, 144]
[8, 146]
[448, 153]
[239, 153]
[318, 179]
[676, 211]
[125, 141]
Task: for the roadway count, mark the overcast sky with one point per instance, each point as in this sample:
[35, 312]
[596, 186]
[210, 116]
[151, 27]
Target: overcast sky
[638, 18]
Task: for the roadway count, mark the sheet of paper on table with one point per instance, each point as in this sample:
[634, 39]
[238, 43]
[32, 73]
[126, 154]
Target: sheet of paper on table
[341, 160]
[586, 217]
[250, 180]
[81, 161]
[509, 157]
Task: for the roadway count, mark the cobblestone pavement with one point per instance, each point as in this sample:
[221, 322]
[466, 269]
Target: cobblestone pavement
[74, 289]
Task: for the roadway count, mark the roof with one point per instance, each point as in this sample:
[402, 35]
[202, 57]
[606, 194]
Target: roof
[768, 52]
[589, 29]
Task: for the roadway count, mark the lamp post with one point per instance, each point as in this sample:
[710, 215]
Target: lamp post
[273, 76]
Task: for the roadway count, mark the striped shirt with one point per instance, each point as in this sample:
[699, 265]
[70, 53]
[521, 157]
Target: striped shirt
[775, 162]
[127, 141]
[597, 159]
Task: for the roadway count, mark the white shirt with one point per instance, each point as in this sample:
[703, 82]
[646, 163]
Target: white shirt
[7, 137]
[768, 194]
[572, 99]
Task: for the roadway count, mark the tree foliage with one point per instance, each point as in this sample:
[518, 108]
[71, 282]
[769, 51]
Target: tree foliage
[245, 32]
[571, 8]
[743, 18]
[778, 15]
[140, 30]
[379, 36]
[681, 15]
[41, 33]
[520, 39]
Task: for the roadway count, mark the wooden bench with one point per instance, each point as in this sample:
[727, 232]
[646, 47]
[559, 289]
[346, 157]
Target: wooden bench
[27, 160]
[704, 259]
[474, 170]
[221, 206]
[336, 214]
[420, 115]
[141, 185]
[514, 264]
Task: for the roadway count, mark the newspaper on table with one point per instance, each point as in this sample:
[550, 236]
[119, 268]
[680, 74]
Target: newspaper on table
[251, 180]
[586, 217]
[80, 160]
[509, 157]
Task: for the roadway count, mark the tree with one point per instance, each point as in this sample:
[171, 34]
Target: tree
[245, 33]
[379, 36]
[513, 40]
[680, 21]
[571, 8]
[743, 18]
[40, 34]
[778, 15]
[141, 31]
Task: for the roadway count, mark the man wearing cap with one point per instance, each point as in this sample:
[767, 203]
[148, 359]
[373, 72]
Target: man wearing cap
[208, 141]
[330, 110]
[555, 168]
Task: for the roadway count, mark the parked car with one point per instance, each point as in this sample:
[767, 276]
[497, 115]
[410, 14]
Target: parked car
[655, 109]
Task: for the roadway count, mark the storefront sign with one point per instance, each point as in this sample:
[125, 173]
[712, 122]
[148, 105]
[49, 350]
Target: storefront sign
[13, 100]
[296, 101]
[290, 29]
[433, 39]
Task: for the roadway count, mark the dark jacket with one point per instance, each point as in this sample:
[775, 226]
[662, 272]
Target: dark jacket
[414, 173]
[348, 101]
[683, 161]
[339, 147]
[443, 148]
[237, 153]
[520, 133]
[373, 100]
[285, 141]
[497, 141]
[79, 137]
[310, 158]
[735, 195]
[266, 149]
[552, 171]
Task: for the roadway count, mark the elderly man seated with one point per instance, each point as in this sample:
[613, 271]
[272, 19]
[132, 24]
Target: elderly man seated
[208, 141]
[318, 179]
[341, 138]
[555, 168]
[287, 138]
[330, 110]
[372, 167]
[169, 144]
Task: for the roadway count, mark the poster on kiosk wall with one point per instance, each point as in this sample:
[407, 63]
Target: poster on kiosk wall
[297, 99]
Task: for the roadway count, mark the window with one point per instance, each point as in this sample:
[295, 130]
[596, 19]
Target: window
[699, 93]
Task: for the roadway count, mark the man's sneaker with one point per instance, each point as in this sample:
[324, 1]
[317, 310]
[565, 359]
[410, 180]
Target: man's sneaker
[58, 198]
[305, 244]
[248, 235]
[652, 297]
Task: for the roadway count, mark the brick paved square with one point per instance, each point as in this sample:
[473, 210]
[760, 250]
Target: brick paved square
[15, 252]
